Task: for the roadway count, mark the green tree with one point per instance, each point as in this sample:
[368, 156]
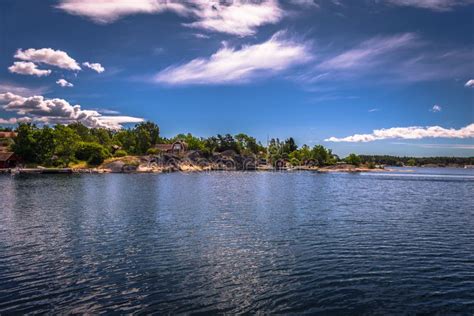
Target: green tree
[194, 143]
[289, 145]
[44, 147]
[25, 142]
[320, 154]
[65, 142]
[353, 159]
[147, 134]
[411, 162]
[247, 145]
[127, 140]
[93, 153]
[102, 136]
[227, 142]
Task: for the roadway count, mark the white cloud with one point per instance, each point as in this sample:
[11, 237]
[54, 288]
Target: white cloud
[239, 17]
[22, 90]
[470, 83]
[366, 53]
[108, 11]
[435, 5]
[94, 66]
[400, 58]
[229, 65]
[436, 108]
[413, 132]
[14, 120]
[305, 3]
[374, 110]
[201, 36]
[64, 83]
[59, 111]
[28, 68]
[454, 146]
[48, 56]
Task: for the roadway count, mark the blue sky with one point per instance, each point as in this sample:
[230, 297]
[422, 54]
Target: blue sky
[373, 76]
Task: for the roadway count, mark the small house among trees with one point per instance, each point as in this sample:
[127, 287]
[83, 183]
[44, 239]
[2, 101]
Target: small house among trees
[178, 147]
[8, 160]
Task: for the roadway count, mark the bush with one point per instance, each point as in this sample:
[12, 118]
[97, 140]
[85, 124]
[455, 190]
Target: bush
[120, 153]
[93, 153]
[294, 162]
[353, 159]
[153, 151]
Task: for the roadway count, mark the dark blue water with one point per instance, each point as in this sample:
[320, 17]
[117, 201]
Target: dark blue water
[235, 242]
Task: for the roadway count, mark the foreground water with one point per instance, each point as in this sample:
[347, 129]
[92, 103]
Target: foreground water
[235, 242]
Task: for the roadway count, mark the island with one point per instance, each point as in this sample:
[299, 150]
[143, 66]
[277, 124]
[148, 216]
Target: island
[76, 148]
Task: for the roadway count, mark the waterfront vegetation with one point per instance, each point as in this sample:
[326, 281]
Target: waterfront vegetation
[78, 145]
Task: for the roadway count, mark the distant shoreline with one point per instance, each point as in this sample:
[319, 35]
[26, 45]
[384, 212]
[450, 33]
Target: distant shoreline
[183, 169]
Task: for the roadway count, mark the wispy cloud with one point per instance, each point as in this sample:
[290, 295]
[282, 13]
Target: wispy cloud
[230, 65]
[434, 5]
[22, 90]
[413, 132]
[57, 111]
[366, 54]
[373, 110]
[400, 58]
[237, 17]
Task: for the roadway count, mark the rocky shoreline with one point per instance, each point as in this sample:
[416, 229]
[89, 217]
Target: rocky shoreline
[165, 163]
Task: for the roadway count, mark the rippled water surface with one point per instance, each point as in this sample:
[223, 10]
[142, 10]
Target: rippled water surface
[236, 242]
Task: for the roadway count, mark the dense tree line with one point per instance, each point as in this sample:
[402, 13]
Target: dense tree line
[416, 161]
[62, 145]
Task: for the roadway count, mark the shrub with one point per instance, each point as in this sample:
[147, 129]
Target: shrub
[353, 159]
[93, 153]
[120, 153]
[153, 151]
[294, 162]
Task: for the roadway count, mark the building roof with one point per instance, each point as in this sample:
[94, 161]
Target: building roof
[7, 134]
[5, 156]
[164, 147]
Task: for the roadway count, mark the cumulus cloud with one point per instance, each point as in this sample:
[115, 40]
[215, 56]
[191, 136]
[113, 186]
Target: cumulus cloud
[238, 17]
[64, 83]
[470, 83]
[413, 132]
[48, 56]
[230, 65]
[59, 111]
[434, 5]
[28, 68]
[94, 66]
